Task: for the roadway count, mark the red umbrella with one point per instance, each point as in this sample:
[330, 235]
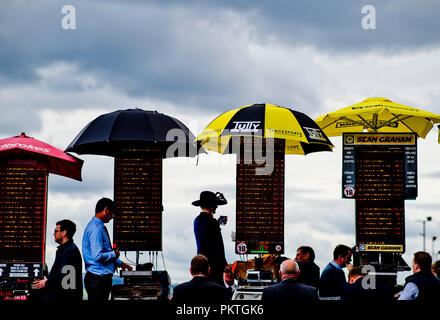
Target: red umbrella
[59, 162]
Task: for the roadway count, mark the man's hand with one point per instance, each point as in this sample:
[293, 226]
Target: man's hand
[39, 284]
[125, 266]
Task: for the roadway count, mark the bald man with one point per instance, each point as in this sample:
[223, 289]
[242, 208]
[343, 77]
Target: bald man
[289, 289]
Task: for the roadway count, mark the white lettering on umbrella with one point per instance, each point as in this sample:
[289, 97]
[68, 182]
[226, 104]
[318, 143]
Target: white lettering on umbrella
[246, 126]
[22, 145]
[315, 134]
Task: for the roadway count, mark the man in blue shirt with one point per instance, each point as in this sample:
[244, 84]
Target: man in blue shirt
[422, 285]
[333, 277]
[100, 259]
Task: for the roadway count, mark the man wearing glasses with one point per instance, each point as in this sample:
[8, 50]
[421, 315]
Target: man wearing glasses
[229, 280]
[64, 282]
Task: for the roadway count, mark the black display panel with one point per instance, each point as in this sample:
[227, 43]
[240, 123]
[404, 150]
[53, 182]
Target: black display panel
[380, 225]
[260, 198]
[23, 194]
[380, 173]
[138, 197]
[379, 165]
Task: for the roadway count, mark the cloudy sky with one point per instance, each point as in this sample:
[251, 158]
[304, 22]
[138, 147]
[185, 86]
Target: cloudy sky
[196, 59]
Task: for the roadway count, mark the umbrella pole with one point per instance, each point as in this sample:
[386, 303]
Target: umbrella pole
[375, 122]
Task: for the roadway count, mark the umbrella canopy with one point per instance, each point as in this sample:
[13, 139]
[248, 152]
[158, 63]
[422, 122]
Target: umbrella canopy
[302, 134]
[109, 133]
[378, 115]
[59, 162]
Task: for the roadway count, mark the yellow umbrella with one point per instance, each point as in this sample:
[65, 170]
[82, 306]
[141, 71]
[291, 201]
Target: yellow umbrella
[378, 115]
[301, 133]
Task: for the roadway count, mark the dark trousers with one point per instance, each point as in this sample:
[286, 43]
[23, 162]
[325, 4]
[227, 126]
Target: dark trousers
[98, 287]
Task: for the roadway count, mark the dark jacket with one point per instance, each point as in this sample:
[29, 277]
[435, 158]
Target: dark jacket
[68, 257]
[428, 285]
[210, 243]
[309, 273]
[289, 290]
[356, 293]
[331, 282]
[200, 290]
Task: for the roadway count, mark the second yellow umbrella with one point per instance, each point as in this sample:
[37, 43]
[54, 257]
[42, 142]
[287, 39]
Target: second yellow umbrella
[378, 115]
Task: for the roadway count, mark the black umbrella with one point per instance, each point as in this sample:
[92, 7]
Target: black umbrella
[111, 133]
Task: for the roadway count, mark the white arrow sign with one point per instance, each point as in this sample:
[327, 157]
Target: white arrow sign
[1, 272]
[36, 271]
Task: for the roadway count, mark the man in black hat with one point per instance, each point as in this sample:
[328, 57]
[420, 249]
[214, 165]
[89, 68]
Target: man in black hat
[208, 235]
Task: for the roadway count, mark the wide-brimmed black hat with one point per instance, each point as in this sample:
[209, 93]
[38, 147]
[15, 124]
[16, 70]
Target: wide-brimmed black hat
[210, 199]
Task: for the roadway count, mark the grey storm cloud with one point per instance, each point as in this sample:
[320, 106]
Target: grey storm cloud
[178, 51]
[144, 50]
[333, 25]
[336, 25]
[97, 177]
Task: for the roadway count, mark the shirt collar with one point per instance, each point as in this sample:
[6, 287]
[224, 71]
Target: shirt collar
[98, 221]
[335, 265]
[206, 215]
[65, 244]
[290, 280]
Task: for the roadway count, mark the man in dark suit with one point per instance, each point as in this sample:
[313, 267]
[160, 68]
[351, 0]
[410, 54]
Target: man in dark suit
[208, 234]
[289, 289]
[305, 257]
[64, 282]
[229, 280]
[360, 289]
[333, 277]
[200, 289]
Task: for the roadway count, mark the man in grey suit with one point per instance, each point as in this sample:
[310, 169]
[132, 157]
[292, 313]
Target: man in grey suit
[289, 289]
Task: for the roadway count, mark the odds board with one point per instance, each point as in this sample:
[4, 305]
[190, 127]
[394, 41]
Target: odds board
[23, 194]
[380, 172]
[138, 198]
[260, 197]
